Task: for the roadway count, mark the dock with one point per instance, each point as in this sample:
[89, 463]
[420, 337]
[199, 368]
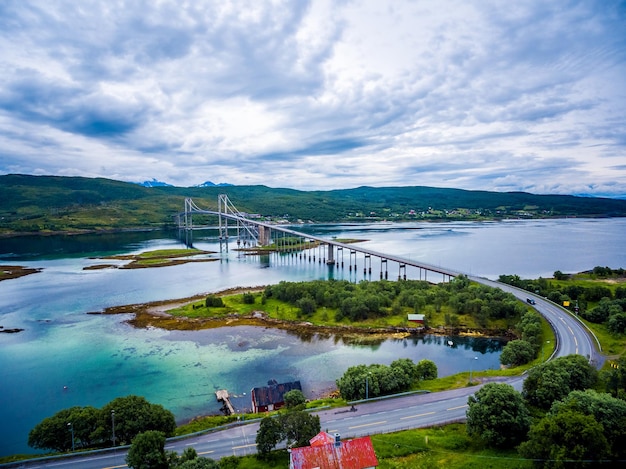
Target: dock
[222, 396]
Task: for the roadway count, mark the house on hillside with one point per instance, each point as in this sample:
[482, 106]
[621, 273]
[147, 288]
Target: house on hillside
[271, 397]
[329, 452]
[416, 318]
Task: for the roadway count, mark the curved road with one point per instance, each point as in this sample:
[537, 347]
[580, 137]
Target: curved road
[381, 416]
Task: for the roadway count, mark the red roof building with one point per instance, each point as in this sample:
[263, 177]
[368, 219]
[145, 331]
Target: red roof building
[350, 454]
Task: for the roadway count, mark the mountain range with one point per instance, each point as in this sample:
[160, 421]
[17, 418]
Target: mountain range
[49, 204]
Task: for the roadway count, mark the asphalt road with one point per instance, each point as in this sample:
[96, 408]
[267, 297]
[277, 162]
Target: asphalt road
[414, 411]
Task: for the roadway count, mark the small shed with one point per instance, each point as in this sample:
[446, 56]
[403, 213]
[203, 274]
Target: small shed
[357, 453]
[416, 318]
[271, 397]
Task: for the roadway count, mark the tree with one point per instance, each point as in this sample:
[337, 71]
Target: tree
[307, 305]
[296, 427]
[294, 398]
[517, 352]
[54, 432]
[497, 414]
[605, 409]
[299, 427]
[379, 380]
[566, 439]
[426, 369]
[615, 378]
[147, 451]
[213, 301]
[554, 380]
[248, 298]
[269, 435]
[134, 415]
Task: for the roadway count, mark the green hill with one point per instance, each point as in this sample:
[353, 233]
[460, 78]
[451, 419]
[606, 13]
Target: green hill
[39, 204]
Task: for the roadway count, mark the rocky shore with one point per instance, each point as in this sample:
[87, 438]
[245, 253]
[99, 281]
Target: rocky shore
[155, 314]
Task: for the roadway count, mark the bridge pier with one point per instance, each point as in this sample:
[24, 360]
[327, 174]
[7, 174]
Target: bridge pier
[365, 262]
[265, 234]
[331, 255]
[402, 268]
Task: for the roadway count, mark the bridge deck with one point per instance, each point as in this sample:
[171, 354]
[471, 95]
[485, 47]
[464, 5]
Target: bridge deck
[351, 247]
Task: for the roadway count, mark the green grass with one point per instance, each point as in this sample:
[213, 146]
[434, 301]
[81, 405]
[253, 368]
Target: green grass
[168, 253]
[323, 316]
[612, 345]
[448, 446]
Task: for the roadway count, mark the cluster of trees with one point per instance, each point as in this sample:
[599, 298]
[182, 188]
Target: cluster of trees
[520, 351]
[147, 451]
[370, 299]
[573, 423]
[93, 428]
[595, 303]
[294, 426]
[611, 312]
[361, 381]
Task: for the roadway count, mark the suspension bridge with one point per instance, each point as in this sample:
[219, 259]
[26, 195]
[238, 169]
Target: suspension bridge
[251, 233]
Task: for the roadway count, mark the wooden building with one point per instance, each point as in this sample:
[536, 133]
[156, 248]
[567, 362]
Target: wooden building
[271, 397]
[416, 318]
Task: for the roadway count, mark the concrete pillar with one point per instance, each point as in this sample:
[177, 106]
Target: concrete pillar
[264, 235]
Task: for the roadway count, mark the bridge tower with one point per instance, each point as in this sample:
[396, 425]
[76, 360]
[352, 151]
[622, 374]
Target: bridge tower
[248, 233]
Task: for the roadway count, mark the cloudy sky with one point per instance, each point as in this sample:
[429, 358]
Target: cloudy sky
[492, 95]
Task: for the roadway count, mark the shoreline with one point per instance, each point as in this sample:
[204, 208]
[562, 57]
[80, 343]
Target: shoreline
[155, 314]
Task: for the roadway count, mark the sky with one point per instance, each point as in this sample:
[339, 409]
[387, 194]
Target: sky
[471, 94]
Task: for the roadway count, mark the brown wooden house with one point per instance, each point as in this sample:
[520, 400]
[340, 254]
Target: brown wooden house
[271, 397]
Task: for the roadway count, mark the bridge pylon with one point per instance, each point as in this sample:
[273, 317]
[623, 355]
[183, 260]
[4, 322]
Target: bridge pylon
[247, 231]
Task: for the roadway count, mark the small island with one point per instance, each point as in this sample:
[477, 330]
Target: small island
[16, 271]
[158, 258]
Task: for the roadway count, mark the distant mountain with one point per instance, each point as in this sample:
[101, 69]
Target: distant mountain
[212, 184]
[610, 196]
[53, 204]
[154, 183]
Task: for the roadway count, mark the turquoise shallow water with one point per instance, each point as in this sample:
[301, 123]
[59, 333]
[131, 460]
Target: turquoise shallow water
[66, 357]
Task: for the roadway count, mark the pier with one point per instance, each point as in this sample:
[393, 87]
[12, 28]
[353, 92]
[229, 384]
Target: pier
[222, 396]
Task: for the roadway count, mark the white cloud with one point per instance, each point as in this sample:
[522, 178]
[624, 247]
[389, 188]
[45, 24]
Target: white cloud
[473, 94]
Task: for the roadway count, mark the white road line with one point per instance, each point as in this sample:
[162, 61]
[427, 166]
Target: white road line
[368, 424]
[415, 416]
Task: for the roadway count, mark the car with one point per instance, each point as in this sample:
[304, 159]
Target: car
[530, 301]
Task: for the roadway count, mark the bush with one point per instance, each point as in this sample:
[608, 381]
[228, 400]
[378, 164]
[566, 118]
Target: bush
[517, 352]
[213, 301]
[497, 414]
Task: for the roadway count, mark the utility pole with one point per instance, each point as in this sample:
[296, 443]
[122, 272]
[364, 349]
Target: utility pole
[113, 425]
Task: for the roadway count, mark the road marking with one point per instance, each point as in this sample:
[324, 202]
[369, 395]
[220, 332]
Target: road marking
[415, 416]
[115, 467]
[332, 431]
[368, 424]
[244, 446]
[458, 407]
[206, 452]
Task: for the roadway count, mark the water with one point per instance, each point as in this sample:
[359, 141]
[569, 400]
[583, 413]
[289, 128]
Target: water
[65, 357]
